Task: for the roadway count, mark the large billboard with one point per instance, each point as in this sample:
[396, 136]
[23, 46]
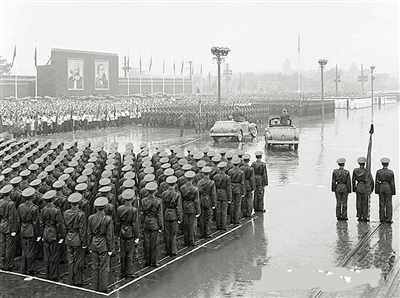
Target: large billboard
[101, 80]
[75, 74]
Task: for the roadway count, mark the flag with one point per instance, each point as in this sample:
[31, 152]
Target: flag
[298, 45]
[151, 62]
[15, 55]
[201, 68]
[35, 57]
[182, 67]
[163, 66]
[369, 180]
[140, 64]
[174, 65]
[127, 64]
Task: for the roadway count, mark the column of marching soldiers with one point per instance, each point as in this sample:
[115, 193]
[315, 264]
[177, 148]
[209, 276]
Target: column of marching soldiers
[62, 201]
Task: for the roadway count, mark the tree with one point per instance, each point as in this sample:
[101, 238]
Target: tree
[5, 67]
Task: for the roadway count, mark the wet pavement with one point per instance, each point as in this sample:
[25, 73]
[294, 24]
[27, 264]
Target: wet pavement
[299, 230]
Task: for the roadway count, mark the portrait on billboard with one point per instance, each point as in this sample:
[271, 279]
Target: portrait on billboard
[75, 74]
[101, 70]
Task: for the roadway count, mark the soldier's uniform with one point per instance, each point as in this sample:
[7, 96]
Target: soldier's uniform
[341, 185]
[359, 181]
[152, 223]
[190, 208]
[250, 184]
[385, 187]
[224, 196]
[52, 227]
[128, 231]
[208, 201]
[238, 190]
[261, 180]
[100, 235]
[172, 203]
[8, 229]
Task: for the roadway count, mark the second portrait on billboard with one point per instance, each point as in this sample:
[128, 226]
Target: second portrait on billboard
[101, 70]
[75, 74]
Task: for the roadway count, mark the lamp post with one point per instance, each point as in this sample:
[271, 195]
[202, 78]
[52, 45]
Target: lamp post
[322, 63]
[219, 54]
[372, 90]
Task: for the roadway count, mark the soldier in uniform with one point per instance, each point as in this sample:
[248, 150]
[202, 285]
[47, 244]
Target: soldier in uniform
[250, 184]
[238, 190]
[128, 231]
[385, 188]
[28, 215]
[8, 229]
[100, 234]
[152, 222]
[224, 196]
[359, 180]
[208, 201]
[75, 240]
[190, 208]
[261, 180]
[172, 203]
[341, 185]
[52, 227]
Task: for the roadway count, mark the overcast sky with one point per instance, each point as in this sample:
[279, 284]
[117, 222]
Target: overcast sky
[261, 35]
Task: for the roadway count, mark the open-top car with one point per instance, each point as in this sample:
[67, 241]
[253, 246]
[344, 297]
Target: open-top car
[233, 129]
[278, 134]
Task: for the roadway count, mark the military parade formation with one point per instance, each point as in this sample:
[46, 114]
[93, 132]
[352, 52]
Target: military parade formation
[61, 202]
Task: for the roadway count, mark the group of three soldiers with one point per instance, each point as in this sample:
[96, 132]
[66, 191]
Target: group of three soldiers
[363, 185]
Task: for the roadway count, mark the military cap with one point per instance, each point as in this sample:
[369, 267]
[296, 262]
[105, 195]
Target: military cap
[239, 152]
[164, 159]
[49, 168]
[23, 160]
[6, 189]
[15, 165]
[128, 156]
[33, 167]
[341, 160]
[92, 159]
[14, 154]
[38, 160]
[165, 165]
[258, 153]
[128, 183]
[144, 153]
[182, 161]
[187, 167]
[28, 192]
[180, 155]
[211, 153]
[149, 177]
[81, 186]
[111, 161]
[148, 170]
[15, 180]
[64, 177]
[63, 153]
[89, 165]
[101, 202]
[73, 163]
[143, 145]
[246, 156]
[81, 179]
[49, 195]
[129, 145]
[206, 169]
[59, 184]
[29, 154]
[109, 167]
[127, 153]
[100, 144]
[128, 194]
[222, 164]
[229, 155]
[385, 160]
[6, 171]
[35, 182]
[216, 158]
[106, 174]
[104, 181]
[7, 158]
[87, 172]
[106, 188]
[163, 154]
[128, 162]
[146, 164]
[171, 179]
[190, 174]
[42, 175]
[126, 168]
[2, 178]
[168, 172]
[151, 186]
[236, 160]
[74, 197]
[205, 150]
[361, 160]
[222, 151]
[201, 163]
[25, 173]
[130, 175]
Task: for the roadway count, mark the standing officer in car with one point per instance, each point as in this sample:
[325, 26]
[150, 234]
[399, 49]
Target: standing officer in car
[341, 186]
[385, 188]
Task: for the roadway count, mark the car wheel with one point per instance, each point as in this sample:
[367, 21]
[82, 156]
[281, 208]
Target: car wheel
[240, 136]
[296, 146]
[216, 139]
[254, 132]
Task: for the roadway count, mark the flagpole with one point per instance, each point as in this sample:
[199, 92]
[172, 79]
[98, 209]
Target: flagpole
[15, 73]
[151, 75]
[298, 49]
[36, 82]
[201, 79]
[183, 78]
[140, 75]
[163, 75]
[173, 85]
[128, 71]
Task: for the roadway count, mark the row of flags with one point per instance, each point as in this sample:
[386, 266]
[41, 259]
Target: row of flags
[15, 55]
[151, 64]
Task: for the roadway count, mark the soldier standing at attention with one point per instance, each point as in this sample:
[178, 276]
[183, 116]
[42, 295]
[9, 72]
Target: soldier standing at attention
[100, 234]
[385, 188]
[152, 222]
[261, 179]
[359, 180]
[250, 184]
[28, 214]
[224, 196]
[75, 240]
[128, 231]
[52, 226]
[208, 201]
[238, 190]
[181, 120]
[341, 185]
